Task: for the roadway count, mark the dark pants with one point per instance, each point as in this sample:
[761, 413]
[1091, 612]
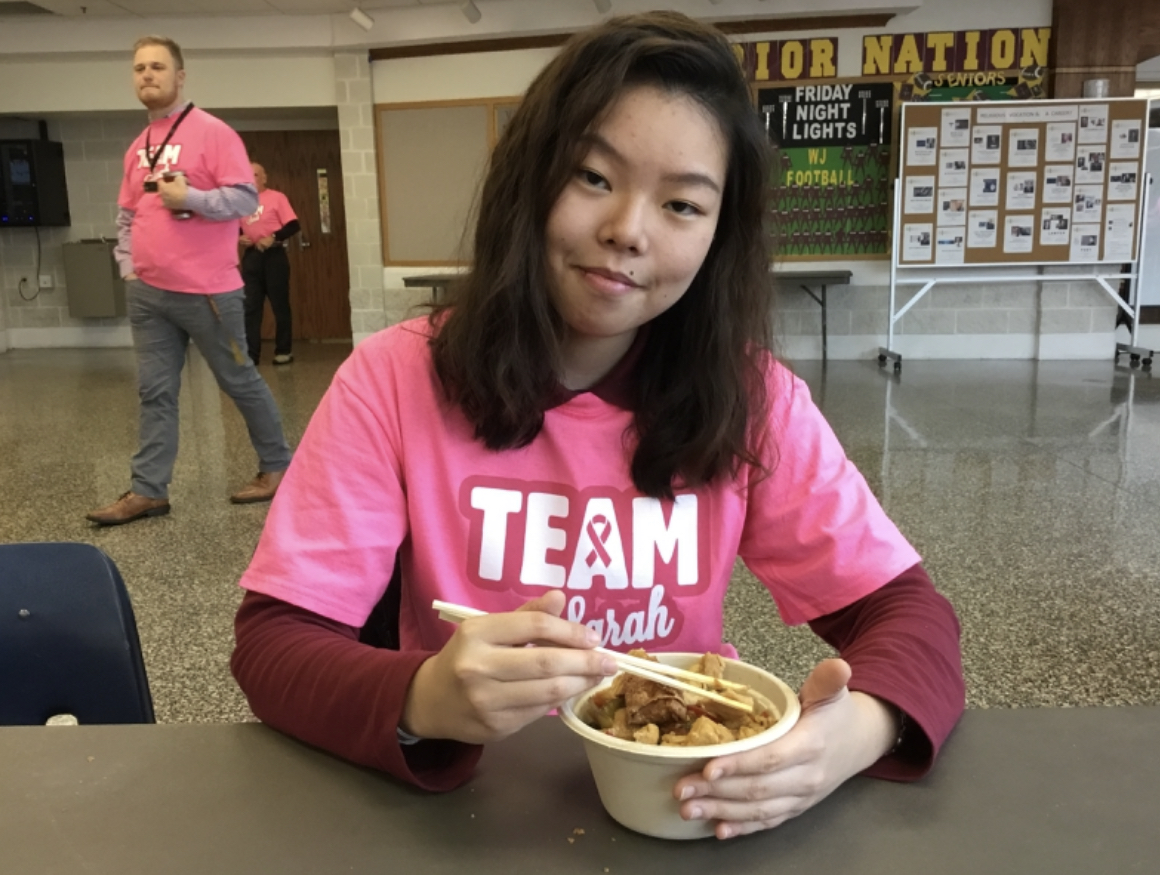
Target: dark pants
[267, 275]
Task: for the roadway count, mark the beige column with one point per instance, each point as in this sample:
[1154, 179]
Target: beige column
[361, 189]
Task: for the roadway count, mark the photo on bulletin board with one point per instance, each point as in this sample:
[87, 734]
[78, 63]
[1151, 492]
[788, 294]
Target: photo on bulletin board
[832, 147]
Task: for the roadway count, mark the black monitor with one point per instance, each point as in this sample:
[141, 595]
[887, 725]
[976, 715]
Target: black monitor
[33, 190]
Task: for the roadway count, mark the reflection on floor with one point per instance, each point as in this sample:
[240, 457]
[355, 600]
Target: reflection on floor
[1031, 489]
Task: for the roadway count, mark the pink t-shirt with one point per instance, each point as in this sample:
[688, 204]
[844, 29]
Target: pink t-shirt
[274, 211]
[388, 465]
[185, 255]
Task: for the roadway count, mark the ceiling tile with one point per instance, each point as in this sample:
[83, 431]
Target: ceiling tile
[312, 7]
[236, 7]
[93, 8]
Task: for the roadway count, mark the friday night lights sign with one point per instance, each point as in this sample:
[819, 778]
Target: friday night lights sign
[851, 114]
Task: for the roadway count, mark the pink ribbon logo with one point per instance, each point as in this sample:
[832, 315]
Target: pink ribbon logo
[599, 538]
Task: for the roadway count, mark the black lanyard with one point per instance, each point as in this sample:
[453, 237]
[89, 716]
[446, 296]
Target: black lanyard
[152, 156]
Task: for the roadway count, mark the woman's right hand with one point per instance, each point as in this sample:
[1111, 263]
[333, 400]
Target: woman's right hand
[486, 684]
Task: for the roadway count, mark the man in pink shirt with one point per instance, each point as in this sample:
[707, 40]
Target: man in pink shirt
[187, 182]
[266, 269]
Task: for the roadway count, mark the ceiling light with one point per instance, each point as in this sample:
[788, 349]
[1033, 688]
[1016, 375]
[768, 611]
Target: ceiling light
[470, 11]
[602, 6]
[361, 19]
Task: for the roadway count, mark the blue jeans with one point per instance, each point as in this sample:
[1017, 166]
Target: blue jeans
[163, 324]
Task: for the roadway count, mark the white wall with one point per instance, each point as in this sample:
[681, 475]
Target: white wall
[505, 73]
[440, 22]
[288, 61]
[1148, 73]
[75, 37]
[989, 320]
[46, 85]
[94, 146]
[457, 77]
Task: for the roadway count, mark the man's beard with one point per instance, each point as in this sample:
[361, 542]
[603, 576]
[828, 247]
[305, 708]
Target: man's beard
[154, 99]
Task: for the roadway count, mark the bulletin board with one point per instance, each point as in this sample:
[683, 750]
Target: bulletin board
[1034, 182]
[832, 168]
[431, 158]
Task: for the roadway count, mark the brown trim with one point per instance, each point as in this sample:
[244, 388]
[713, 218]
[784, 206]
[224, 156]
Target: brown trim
[455, 101]
[381, 173]
[1095, 70]
[469, 46]
[428, 264]
[552, 40]
[822, 22]
[463, 47]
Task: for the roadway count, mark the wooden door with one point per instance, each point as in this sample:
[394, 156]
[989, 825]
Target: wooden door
[319, 272]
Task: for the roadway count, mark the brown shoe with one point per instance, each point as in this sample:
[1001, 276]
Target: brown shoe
[127, 508]
[261, 488]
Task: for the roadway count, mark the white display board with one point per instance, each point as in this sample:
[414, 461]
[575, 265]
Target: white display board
[1022, 184]
[1150, 265]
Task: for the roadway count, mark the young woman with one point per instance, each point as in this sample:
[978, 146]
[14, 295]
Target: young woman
[581, 442]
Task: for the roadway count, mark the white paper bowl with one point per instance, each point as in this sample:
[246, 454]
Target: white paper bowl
[636, 781]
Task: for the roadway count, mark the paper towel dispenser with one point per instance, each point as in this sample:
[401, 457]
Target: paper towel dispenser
[94, 283]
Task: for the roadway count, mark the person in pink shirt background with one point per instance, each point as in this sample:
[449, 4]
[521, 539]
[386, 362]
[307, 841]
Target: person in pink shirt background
[186, 183]
[266, 269]
[581, 440]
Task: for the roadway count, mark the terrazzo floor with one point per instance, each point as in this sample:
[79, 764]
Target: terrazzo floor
[1032, 490]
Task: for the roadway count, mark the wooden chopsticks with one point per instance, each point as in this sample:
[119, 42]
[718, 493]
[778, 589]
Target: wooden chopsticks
[634, 665]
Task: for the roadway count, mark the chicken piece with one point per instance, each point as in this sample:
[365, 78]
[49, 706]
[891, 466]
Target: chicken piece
[649, 734]
[616, 688]
[706, 731]
[650, 702]
[620, 727]
[712, 665]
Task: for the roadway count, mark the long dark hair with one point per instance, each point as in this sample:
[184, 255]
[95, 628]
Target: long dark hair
[698, 385]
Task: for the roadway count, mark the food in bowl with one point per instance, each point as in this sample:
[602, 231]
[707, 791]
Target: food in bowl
[649, 712]
[635, 781]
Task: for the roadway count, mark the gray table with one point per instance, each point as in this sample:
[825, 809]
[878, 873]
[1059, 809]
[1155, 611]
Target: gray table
[807, 281]
[436, 282]
[1056, 791]
[814, 283]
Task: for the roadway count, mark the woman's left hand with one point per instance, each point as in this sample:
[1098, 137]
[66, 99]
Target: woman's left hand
[839, 734]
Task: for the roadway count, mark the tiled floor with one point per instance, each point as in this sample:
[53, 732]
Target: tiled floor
[1031, 489]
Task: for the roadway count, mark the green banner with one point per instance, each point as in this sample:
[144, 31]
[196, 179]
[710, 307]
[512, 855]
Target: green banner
[831, 202]
[1026, 84]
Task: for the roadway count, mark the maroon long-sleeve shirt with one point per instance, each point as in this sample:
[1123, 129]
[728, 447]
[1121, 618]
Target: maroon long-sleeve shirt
[311, 678]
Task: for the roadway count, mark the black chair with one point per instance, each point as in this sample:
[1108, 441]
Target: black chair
[68, 638]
